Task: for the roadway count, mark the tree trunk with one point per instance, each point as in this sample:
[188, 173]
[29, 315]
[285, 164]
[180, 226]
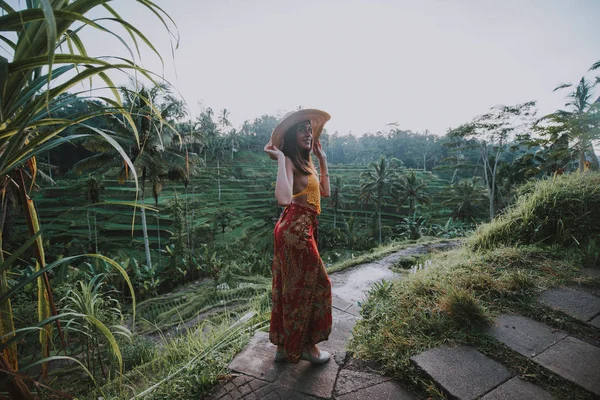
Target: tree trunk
[191, 226]
[493, 190]
[486, 169]
[144, 225]
[187, 220]
[158, 237]
[218, 178]
[379, 220]
[594, 157]
[14, 385]
[89, 230]
[96, 230]
[146, 241]
[334, 217]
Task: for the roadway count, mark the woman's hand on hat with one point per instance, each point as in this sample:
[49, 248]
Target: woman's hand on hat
[318, 150]
[273, 151]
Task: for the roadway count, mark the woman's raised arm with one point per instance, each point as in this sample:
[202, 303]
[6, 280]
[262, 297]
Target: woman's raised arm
[285, 176]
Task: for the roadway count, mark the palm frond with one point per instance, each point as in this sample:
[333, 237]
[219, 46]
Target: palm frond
[562, 86]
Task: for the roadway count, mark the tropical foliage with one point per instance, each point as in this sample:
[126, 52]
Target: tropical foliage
[200, 256]
[47, 58]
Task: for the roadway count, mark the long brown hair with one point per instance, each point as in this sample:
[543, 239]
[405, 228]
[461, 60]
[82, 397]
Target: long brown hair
[300, 157]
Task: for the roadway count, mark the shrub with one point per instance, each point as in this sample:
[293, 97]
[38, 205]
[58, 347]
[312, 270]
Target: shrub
[137, 352]
[464, 310]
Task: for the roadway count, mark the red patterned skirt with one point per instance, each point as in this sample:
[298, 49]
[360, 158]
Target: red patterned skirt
[301, 312]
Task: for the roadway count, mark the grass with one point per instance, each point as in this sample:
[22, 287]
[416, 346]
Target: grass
[560, 211]
[455, 299]
[188, 366]
[165, 312]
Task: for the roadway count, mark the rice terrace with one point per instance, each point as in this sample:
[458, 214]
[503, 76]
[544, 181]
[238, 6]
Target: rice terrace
[175, 175]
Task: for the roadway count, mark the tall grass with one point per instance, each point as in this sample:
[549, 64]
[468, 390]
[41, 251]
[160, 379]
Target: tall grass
[189, 365]
[561, 211]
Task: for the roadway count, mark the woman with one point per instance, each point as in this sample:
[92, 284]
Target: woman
[301, 313]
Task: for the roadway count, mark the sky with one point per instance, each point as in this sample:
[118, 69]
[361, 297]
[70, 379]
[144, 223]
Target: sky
[421, 64]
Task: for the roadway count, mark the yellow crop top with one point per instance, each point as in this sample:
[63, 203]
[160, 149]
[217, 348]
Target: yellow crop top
[312, 192]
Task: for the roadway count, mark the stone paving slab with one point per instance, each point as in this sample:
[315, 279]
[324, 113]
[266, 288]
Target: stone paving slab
[256, 359]
[248, 388]
[311, 379]
[596, 322]
[518, 389]
[524, 335]
[340, 304]
[462, 371]
[351, 284]
[574, 360]
[343, 323]
[389, 390]
[578, 304]
[351, 381]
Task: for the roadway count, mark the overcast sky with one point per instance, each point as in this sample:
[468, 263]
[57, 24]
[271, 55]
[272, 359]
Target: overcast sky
[423, 64]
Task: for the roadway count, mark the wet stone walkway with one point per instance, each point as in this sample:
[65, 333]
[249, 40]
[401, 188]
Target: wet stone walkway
[257, 376]
[460, 371]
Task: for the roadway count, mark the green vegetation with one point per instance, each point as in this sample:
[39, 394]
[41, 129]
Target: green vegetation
[188, 366]
[456, 297]
[179, 214]
[561, 211]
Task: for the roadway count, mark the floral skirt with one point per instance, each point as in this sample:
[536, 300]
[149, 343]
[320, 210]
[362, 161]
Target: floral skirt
[301, 312]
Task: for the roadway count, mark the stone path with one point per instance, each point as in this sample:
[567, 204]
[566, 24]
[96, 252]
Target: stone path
[465, 373]
[461, 371]
[257, 376]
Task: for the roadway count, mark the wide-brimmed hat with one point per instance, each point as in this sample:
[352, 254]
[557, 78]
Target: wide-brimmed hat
[317, 119]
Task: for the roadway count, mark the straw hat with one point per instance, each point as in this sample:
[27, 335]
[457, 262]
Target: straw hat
[317, 119]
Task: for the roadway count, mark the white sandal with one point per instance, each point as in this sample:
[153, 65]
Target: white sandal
[321, 359]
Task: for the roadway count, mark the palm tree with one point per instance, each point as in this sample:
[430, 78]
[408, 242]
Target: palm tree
[158, 151]
[351, 229]
[235, 140]
[410, 188]
[466, 197]
[582, 122]
[337, 198]
[206, 129]
[46, 58]
[595, 67]
[224, 119]
[378, 182]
